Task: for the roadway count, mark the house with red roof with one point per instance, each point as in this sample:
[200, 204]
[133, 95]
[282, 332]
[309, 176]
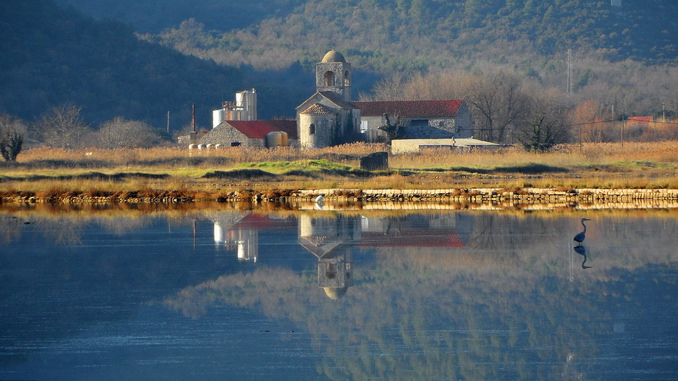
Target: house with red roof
[253, 133]
[641, 120]
[418, 119]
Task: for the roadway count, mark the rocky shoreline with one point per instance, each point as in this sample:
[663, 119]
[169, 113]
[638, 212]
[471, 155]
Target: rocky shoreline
[632, 197]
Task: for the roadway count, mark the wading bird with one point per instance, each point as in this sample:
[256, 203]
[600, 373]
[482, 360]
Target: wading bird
[580, 237]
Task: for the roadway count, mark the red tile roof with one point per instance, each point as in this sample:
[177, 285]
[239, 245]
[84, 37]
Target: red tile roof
[641, 119]
[410, 109]
[262, 221]
[258, 129]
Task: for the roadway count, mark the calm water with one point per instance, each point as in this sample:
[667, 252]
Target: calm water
[221, 295]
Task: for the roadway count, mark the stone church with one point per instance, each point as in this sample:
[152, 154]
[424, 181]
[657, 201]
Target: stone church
[329, 117]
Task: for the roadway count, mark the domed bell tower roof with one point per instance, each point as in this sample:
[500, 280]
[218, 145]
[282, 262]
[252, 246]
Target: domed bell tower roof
[334, 56]
[334, 74]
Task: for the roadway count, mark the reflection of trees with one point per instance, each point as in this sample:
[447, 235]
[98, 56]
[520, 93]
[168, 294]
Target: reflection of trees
[432, 325]
[10, 227]
[504, 232]
[122, 225]
[63, 231]
[66, 228]
[461, 313]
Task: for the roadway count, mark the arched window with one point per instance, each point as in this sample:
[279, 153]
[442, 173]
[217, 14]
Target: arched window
[312, 129]
[347, 78]
[329, 78]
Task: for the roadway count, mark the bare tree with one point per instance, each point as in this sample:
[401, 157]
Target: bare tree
[393, 129]
[11, 137]
[546, 124]
[498, 103]
[122, 133]
[389, 88]
[62, 127]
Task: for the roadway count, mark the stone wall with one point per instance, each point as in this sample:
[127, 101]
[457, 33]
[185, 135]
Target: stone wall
[376, 161]
[436, 129]
[497, 198]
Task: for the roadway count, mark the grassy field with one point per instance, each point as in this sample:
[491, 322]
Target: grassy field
[210, 174]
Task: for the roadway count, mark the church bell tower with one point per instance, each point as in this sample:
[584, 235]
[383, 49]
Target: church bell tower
[334, 74]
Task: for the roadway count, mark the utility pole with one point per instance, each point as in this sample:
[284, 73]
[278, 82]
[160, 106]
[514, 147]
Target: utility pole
[622, 132]
[168, 122]
[569, 71]
[193, 126]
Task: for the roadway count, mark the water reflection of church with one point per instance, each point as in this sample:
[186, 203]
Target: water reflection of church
[331, 238]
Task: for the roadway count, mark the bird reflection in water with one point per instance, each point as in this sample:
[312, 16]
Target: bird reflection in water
[581, 250]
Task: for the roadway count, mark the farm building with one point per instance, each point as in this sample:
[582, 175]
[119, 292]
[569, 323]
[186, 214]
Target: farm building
[420, 119]
[253, 133]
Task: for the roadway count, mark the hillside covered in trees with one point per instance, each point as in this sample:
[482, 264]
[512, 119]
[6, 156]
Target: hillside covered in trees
[583, 60]
[55, 56]
[386, 35]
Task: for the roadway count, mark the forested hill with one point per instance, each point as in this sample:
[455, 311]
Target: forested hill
[152, 16]
[387, 35]
[53, 56]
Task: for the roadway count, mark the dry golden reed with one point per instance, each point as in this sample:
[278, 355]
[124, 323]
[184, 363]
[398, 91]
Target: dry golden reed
[614, 165]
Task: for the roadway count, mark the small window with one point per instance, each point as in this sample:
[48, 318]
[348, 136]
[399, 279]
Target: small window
[312, 129]
[235, 144]
[347, 78]
[363, 126]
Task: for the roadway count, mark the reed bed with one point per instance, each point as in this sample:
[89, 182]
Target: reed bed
[589, 154]
[46, 171]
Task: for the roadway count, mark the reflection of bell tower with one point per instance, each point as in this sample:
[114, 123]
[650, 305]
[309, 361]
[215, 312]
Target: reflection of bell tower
[335, 273]
[330, 239]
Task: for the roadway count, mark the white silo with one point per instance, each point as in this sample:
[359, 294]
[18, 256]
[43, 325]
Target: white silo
[246, 103]
[218, 233]
[218, 116]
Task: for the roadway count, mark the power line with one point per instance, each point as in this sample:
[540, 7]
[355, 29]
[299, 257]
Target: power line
[615, 120]
[583, 124]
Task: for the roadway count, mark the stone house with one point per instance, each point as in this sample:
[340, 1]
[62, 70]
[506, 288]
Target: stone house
[253, 133]
[421, 119]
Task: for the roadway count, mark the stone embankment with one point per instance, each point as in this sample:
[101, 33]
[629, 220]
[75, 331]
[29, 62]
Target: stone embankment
[544, 197]
[632, 198]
